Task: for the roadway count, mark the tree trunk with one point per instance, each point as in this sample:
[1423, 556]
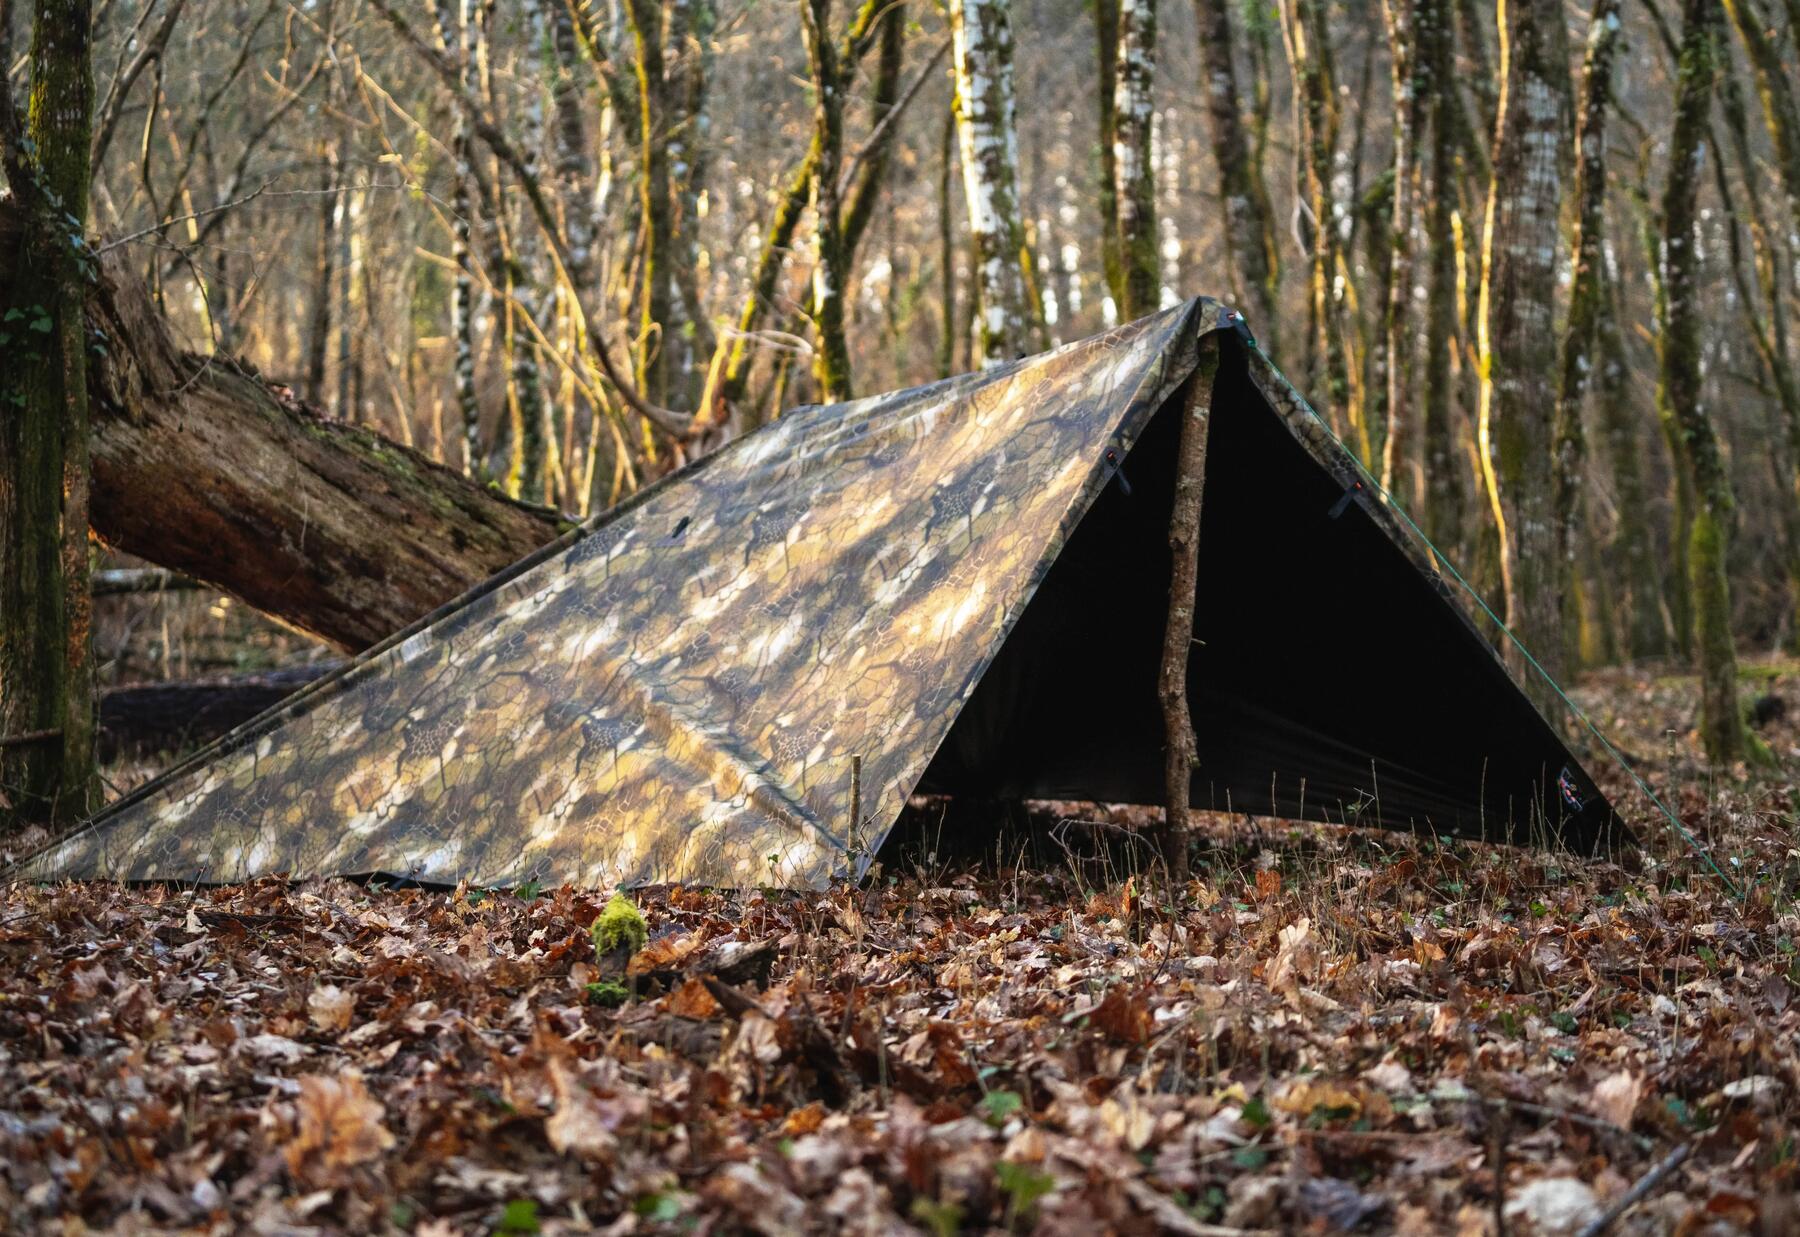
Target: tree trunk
[1250, 242]
[318, 331]
[1106, 37]
[1769, 331]
[1442, 504]
[1585, 293]
[1134, 190]
[656, 217]
[1722, 728]
[46, 663]
[204, 468]
[1775, 87]
[1516, 324]
[982, 33]
[830, 273]
[1647, 632]
[947, 332]
[1409, 33]
[1309, 54]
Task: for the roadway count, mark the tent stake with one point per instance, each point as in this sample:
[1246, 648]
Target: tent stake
[855, 804]
[1178, 636]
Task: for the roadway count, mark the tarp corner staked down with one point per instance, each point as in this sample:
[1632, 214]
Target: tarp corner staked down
[956, 588]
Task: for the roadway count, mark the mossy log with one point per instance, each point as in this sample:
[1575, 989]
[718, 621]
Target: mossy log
[204, 467]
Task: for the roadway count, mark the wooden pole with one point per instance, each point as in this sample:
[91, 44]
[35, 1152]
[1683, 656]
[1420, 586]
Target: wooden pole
[1184, 573]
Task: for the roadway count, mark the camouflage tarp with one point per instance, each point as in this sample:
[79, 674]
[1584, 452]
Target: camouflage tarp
[687, 687]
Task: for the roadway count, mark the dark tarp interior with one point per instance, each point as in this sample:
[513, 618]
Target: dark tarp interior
[1329, 681]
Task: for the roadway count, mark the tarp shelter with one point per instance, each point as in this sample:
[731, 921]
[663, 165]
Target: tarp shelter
[740, 676]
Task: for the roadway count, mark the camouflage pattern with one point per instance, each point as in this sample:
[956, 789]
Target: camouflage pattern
[737, 678]
[688, 687]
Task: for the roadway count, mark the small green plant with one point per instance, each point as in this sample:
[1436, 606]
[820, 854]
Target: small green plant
[519, 1219]
[607, 993]
[620, 925]
[660, 1207]
[997, 1106]
[1023, 1186]
[942, 1219]
[1251, 1157]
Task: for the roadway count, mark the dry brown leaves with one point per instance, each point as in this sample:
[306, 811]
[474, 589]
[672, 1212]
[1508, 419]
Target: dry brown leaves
[1333, 1031]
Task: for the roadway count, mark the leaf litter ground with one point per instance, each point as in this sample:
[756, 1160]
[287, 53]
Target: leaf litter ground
[1332, 1030]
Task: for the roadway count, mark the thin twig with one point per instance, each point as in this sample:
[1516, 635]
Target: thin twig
[30, 736]
[1640, 1191]
[893, 115]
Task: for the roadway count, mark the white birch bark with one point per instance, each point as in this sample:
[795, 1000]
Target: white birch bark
[988, 136]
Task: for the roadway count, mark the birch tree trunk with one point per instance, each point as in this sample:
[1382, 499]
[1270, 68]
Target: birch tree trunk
[1517, 330]
[454, 24]
[982, 34]
[47, 726]
[1402, 463]
[1585, 293]
[1106, 38]
[1722, 728]
[1134, 190]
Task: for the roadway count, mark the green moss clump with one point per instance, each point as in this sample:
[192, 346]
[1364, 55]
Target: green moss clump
[608, 993]
[621, 924]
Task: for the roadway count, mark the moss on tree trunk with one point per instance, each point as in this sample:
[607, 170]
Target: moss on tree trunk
[47, 726]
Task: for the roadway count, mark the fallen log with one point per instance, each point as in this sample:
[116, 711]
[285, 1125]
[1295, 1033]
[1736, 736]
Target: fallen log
[151, 719]
[202, 466]
[127, 581]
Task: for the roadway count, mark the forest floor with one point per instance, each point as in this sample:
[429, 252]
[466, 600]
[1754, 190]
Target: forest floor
[1331, 1029]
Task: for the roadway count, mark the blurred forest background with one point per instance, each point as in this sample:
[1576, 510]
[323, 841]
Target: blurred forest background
[1534, 265]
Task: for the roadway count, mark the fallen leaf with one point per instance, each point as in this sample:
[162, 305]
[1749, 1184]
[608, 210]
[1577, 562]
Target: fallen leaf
[1553, 1206]
[692, 1000]
[1123, 1015]
[330, 1008]
[1340, 1204]
[277, 1048]
[581, 1124]
[1616, 1097]
[1293, 958]
[338, 1127]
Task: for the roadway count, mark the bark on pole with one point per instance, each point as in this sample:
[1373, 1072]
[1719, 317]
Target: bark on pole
[1516, 326]
[206, 469]
[982, 34]
[1184, 579]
